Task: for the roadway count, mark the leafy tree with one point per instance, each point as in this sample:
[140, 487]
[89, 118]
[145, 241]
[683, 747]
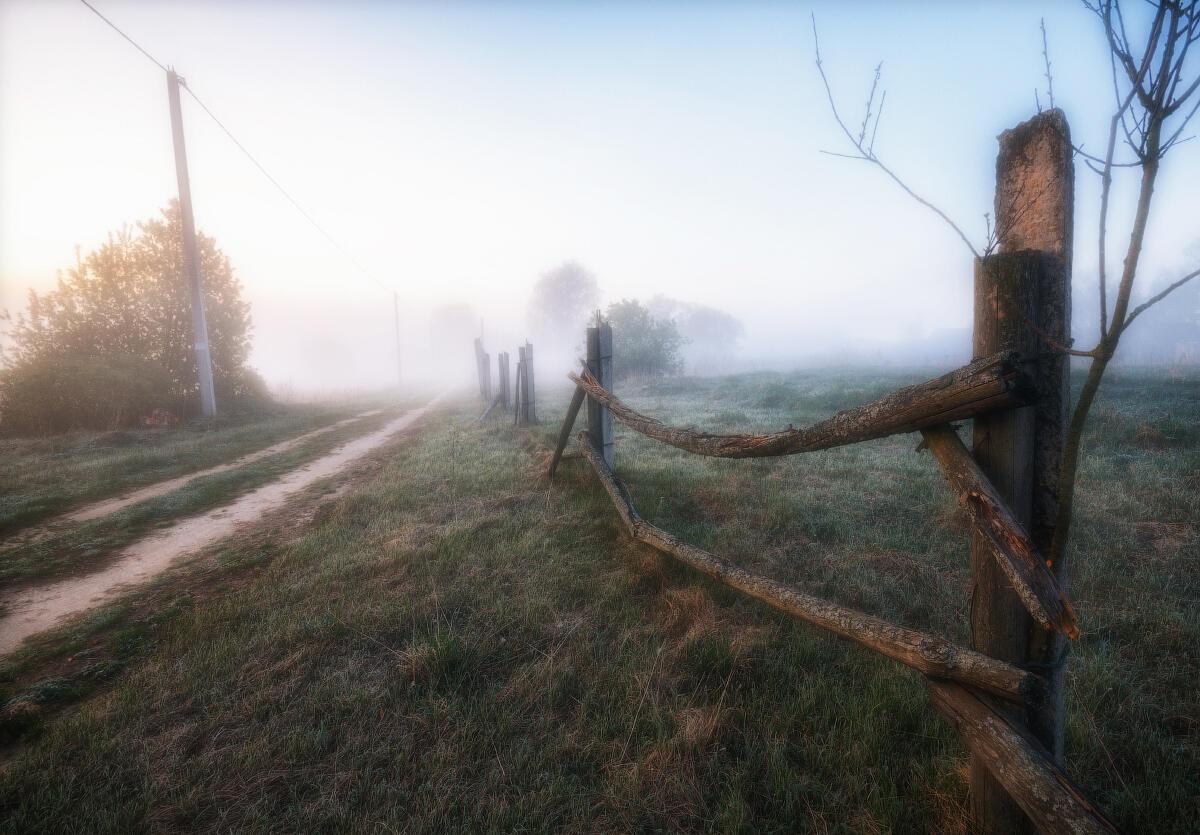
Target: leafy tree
[561, 303]
[643, 346]
[127, 304]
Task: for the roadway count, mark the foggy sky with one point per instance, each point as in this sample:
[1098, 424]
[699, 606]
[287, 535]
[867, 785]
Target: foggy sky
[461, 150]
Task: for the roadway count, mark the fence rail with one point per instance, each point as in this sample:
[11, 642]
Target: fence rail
[995, 382]
[924, 652]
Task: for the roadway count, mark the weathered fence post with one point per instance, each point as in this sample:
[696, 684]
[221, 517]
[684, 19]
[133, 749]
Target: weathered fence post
[1023, 303]
[502, 370]
[531, 413]
[523, 398]
[599, 363]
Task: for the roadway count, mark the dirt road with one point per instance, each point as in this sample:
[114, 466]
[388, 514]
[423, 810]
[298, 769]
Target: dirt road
[106, 506]
[35, 609]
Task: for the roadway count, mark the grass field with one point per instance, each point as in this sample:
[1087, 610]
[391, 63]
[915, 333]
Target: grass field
[454, 644]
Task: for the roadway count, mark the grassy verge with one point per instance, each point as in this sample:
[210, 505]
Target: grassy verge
[87, 545]
[455, 645]
[43, 477]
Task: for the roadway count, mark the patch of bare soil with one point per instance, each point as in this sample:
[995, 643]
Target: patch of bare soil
[35, 609]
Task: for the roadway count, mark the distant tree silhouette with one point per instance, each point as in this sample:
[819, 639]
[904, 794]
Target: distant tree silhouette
[561, 302]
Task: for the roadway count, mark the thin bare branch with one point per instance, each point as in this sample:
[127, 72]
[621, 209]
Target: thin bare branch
[868, 154]
[862, 132]
[1046, 57]
[878, 116]
[1157, 297]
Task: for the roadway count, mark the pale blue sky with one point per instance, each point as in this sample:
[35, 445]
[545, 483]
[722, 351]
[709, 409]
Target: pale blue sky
[460, 150]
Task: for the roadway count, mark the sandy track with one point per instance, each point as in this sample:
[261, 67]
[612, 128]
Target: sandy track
[35, 609]
[107, 506]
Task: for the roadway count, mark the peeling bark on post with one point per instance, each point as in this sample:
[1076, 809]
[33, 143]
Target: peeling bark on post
[1023, 303]
[1011, 546]
[1019, 763]
[995, 382]
[927, 653]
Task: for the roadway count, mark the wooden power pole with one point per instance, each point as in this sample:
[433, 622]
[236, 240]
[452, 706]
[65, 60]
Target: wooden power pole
[191, 257]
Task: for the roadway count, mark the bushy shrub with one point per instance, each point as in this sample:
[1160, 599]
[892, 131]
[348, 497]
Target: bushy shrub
[48, 395]
[643, 346]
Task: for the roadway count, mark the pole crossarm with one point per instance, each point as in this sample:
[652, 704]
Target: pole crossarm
[921, 651]
[1014, 551]
[987, 384]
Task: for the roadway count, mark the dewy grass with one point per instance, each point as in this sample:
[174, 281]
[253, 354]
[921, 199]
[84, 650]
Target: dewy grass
[456, 645]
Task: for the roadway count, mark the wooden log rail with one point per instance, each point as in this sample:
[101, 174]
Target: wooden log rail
[1014, 551]
[926, 653]
[565, 432]
[1019, 763]
[988, 384]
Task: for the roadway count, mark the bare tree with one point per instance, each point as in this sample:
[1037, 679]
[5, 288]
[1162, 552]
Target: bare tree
[1152, 90]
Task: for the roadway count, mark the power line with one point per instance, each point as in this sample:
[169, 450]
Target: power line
[282, 190]
[341, 249]
[123, 35]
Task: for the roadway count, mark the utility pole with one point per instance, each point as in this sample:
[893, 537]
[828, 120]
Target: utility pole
[399, 361]
[191, 258]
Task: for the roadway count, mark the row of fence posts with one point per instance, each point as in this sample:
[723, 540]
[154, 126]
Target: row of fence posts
[521, 397]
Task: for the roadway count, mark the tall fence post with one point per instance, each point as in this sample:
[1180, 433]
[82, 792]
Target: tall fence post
[599, 362]
[531, 413]
[1023, 303]
[502, 370]
[522, 390]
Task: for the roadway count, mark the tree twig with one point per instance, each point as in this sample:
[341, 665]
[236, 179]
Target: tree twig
[867, 153]
[1157, 297]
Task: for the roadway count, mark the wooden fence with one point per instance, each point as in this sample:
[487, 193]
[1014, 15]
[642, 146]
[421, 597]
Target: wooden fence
[523, 396]
[1003, 694]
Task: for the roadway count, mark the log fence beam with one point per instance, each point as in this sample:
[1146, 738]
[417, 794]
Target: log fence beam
[1019, 763]
[1014, 551]
[921, 651]
[992, 383]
